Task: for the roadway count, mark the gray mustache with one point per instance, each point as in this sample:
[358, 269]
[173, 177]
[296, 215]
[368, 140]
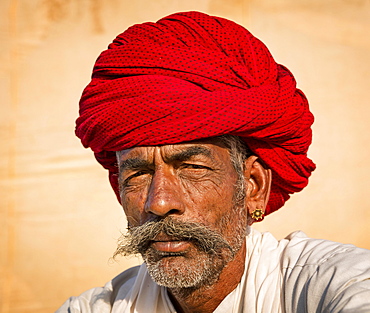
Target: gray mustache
[139, 239]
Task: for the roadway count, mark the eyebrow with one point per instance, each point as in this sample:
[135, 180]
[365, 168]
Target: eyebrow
[138, 163]
[133, 164]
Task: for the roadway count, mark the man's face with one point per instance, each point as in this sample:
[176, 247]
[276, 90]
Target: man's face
[177, 197]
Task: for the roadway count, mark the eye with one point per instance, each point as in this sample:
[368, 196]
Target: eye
[134, 178]
[137, 174]
[196, 166]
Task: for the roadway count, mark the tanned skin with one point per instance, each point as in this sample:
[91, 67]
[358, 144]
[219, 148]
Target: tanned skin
[191, 182]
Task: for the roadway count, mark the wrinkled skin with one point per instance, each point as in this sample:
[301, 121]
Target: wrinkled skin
[192, 182]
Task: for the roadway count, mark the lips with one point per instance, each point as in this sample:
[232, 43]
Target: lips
[165, 243]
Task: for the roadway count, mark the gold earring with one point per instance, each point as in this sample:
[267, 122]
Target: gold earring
[257, 214]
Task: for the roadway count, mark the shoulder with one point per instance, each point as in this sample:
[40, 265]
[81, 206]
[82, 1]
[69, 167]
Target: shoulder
[325, 276]
[301, 250]
[101, 298]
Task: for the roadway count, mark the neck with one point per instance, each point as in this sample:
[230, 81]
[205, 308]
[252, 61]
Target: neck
[207, 298]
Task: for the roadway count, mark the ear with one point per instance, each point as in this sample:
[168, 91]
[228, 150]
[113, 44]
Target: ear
[258, 185]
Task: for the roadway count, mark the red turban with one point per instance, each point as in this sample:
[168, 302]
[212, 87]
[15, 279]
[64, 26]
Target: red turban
[192, 76]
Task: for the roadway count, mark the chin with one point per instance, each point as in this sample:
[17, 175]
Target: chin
[186, 271]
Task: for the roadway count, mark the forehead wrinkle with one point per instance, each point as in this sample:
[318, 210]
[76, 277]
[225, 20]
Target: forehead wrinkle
[187, 153]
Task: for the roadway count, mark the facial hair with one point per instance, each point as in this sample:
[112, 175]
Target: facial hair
[198, 266]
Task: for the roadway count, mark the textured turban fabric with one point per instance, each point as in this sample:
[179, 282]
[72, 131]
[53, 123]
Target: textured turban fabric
[192, 76]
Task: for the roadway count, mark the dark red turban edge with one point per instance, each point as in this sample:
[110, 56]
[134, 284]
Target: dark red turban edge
[192, 76]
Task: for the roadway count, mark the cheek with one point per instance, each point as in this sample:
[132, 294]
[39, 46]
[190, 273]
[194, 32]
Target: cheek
[210, 203]
[204, 189]
[133, 206]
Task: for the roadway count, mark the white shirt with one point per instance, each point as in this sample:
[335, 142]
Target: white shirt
[296, 274]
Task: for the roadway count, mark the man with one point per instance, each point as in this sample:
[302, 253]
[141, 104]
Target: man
[204, 134]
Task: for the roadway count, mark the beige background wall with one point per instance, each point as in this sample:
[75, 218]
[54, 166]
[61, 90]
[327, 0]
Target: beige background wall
[59, 220]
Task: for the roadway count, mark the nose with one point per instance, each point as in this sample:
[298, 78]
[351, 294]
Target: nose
[164, 197]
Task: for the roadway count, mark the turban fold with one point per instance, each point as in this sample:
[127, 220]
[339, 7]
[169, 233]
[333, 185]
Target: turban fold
[192, 76]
